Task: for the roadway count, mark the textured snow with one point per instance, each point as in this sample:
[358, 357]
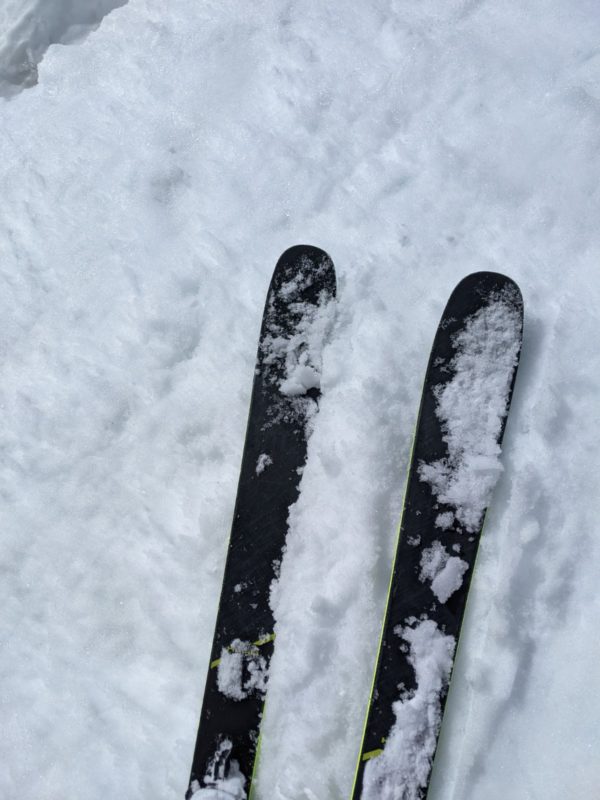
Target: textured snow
[264, 461]
[443, 571]
[301, 353]
[242, 671]
[449, 578]
[28, 27]
[471, 407]
[401, 771]
[150, 180]
[230, 788]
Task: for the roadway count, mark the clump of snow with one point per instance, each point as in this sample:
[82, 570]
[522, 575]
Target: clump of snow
[401, 770]
[297, 354]
[445, 520]
[433, 560]
[242, 671]
[449, 579]
[444, 571]
[224, 779]
[264, 460]
[471, 407]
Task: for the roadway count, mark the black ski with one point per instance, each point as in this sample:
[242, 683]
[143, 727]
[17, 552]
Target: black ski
[454, 465]
[284, 398]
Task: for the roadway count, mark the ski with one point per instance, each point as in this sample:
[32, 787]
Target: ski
[297, 317]
[453, 468]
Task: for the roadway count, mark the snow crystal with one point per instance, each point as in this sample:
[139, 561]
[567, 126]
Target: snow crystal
[241, 671]
[401, 770]
[471, 408]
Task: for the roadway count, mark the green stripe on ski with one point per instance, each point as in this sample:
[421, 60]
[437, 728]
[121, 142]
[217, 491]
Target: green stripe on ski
[371, 754]
[258, 643]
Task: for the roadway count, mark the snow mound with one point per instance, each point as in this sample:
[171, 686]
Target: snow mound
[30, 27]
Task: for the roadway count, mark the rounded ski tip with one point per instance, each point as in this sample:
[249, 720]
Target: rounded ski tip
[298, 251]
[485, 284]
[479, 289]
[305, 264]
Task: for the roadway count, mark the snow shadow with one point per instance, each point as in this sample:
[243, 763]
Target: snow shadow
[29, 27]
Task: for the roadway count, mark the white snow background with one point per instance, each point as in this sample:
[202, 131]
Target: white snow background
[149, 181]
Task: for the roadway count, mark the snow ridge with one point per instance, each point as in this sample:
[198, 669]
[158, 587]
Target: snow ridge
[31, 26]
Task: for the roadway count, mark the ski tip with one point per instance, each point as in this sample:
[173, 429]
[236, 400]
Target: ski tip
[308, 261]
[486, 284]
[299, 251]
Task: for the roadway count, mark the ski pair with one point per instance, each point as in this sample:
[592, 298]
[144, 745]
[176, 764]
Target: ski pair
[453, 468]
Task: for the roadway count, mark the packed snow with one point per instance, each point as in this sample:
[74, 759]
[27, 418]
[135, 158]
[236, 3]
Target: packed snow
[153, 170]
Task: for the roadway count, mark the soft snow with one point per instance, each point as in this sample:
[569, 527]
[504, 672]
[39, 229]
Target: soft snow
[449, 578]
[471, 407]
[149, 181]
[443, 571]
[300, 352]
[264, 461]
[241, 671]
[231, 787]
[401, 771]
[28, 27]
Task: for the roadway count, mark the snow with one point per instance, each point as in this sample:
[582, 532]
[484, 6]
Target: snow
[445, 572]
[151, 178]
[264, 461]
[241, 671]
[299, 353]
[401, 771]
[28, 27]
[471, 407]
[231, 787]
[449, 578]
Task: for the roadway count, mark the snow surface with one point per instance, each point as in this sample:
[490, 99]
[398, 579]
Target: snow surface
[28, 27]
[150, 180]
